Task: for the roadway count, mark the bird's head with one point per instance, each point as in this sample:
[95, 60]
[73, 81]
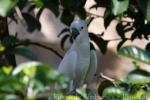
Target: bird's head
[78, 28]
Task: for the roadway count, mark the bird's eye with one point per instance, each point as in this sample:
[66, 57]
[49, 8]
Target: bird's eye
[81, 27]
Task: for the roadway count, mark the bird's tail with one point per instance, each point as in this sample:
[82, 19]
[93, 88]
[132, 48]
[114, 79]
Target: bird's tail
[71, 86]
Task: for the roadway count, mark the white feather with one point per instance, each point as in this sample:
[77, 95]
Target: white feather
[79, 63]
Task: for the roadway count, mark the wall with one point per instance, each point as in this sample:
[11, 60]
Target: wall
[111, 64]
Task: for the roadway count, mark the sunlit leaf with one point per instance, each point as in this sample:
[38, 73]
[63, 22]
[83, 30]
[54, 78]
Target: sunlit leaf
[138, 77]
[114, 93]
[135, 53]
[138, 95]
[71, 97]
[7, 69]
[30, 68]
[103, 85]
[119, 6]
[38, 3]
[6, 6]
[41, 72]
[82, 92]
[2, 48]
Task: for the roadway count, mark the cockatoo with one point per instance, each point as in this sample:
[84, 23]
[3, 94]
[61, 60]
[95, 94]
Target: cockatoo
[80, 61]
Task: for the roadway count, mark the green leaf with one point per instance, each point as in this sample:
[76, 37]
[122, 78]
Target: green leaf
[103, 85]
[7, 69]
[148, 11]
[82, 92]
[33, 70]
[89, 19]
[52, 5]
[30, 68]
[119, 6]
[23, 52]
[145, 8]
[114, 93]
[137, 77]
[2, 48]
[135, 53]
[90, 94]
[71, 97]
[55, 77]
[11, 84]
[9, 41]
[138, 95]
[4, 96]
[38, 3]
[6, 6]
[36, 87]
[147, 95]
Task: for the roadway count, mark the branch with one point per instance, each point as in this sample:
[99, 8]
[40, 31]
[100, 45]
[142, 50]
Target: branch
[40, 45]
[43, 46]
[106, 77]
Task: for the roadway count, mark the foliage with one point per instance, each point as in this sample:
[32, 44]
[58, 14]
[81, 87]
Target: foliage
[138, 11]
[34, 80]
[31, 80]
[134, 86]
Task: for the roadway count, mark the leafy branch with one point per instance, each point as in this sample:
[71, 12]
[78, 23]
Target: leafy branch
[27, 42]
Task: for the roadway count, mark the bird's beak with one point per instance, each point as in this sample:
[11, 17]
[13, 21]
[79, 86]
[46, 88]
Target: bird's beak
[74, 32]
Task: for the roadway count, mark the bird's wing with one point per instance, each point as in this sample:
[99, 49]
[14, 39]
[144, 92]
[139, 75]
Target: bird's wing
[68, 64]
[92, 67]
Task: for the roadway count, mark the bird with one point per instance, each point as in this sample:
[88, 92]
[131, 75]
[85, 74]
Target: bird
[80, 61]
